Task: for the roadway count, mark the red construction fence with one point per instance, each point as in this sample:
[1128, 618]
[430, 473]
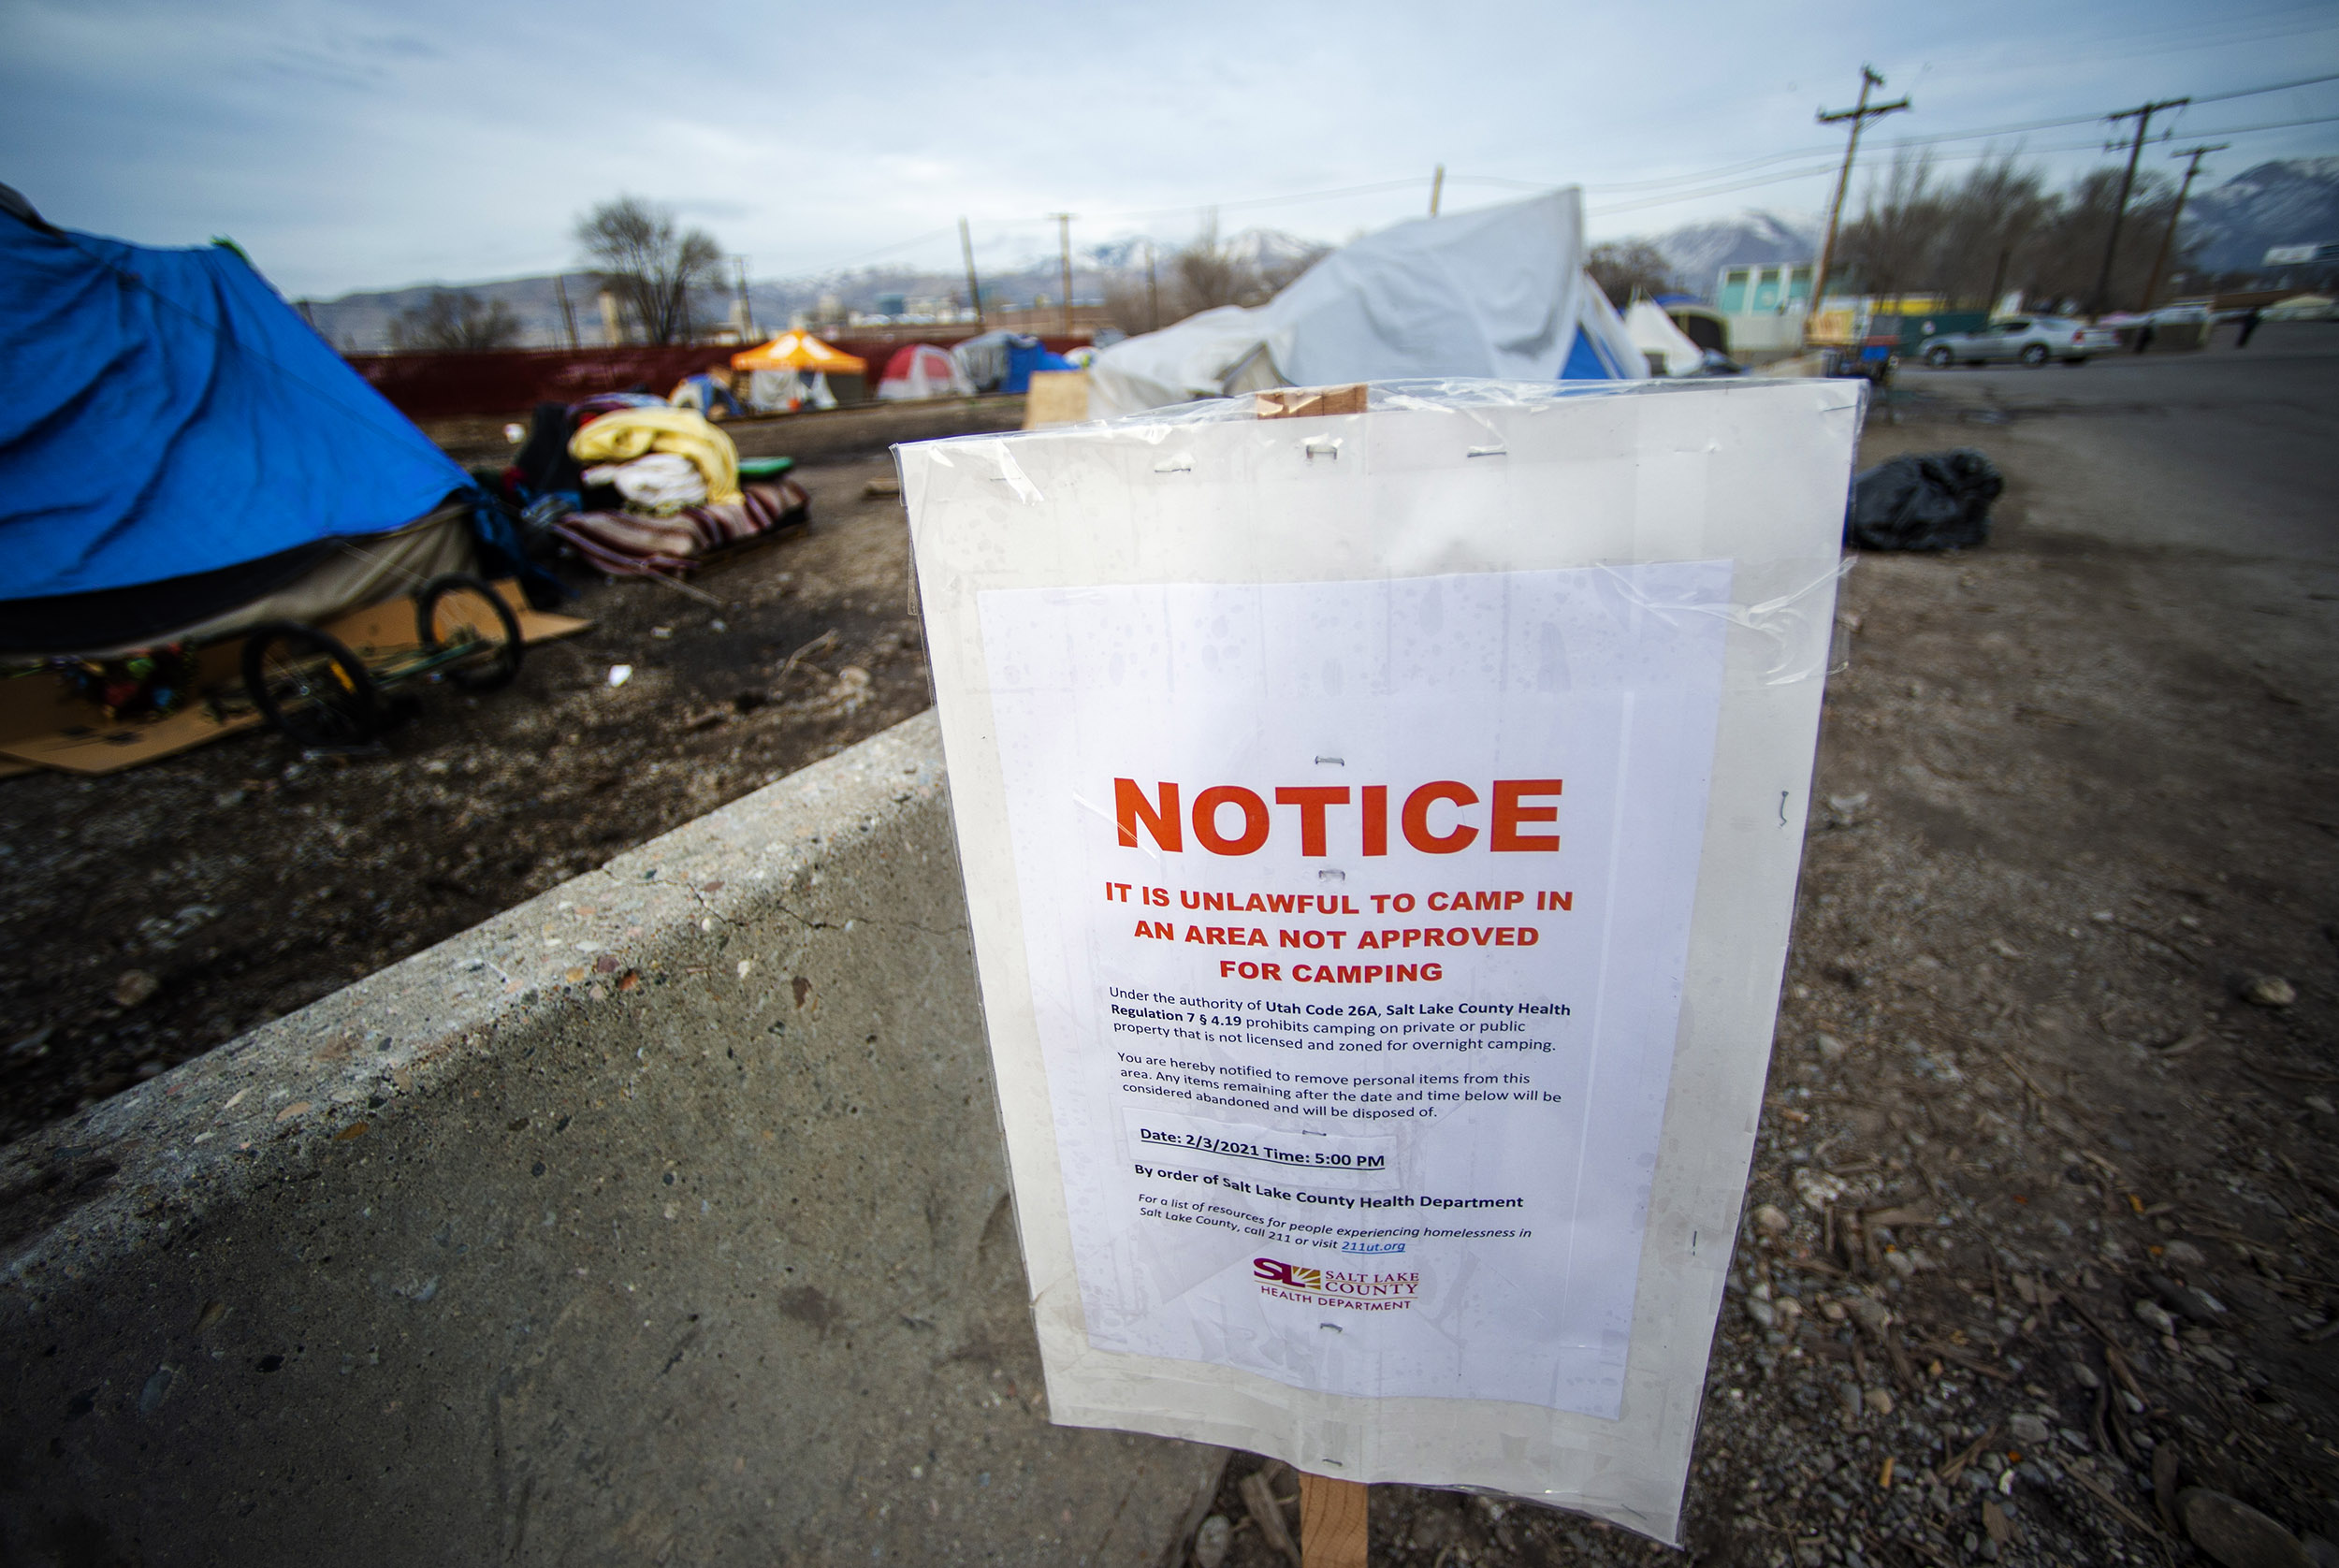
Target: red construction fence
[513, 381]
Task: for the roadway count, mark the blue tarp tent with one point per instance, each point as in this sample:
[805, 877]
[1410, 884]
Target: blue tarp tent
[176, 442]
[1024, 356]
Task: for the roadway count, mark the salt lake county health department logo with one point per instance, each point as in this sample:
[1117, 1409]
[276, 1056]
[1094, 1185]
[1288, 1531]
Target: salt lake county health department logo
[1335, 1287]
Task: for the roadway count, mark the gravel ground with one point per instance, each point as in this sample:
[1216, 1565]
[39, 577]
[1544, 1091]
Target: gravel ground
[154, 913]
[2041, 1226]
[2041, 1219]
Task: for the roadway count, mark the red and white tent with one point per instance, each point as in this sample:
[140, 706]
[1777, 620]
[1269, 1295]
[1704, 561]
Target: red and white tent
[922, 370]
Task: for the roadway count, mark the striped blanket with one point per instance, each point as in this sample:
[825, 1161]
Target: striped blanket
[631, 545]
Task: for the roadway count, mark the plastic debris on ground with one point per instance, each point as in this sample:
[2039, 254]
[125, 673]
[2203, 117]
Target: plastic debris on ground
[1927, 500]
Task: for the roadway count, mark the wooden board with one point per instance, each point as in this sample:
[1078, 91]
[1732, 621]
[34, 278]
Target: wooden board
[1334, 1516]
[1302, 402]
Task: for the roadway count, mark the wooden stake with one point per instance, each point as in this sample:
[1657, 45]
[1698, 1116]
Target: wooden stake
[1299, 402]
[974, 289]
[1064, 237]
[1332, 1515]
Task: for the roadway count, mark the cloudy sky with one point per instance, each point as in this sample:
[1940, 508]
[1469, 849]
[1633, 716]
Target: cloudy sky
[348, 144]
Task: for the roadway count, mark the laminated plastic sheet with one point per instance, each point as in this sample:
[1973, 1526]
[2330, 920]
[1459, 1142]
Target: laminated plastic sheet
[1380, 834]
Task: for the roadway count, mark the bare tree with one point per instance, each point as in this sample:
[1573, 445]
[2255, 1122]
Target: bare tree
[454, 321]
[1278, 273]
[1988, 219]
[1209, 274]
[2062, 261]
[1203, 275]
[1212, 272]
[1997, 229]
[1132, 303]
[1893, 246]
[652, 264]
[1624, 267]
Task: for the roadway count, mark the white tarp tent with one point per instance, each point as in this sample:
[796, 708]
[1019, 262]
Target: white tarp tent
[1499, 293]
[1654, 333]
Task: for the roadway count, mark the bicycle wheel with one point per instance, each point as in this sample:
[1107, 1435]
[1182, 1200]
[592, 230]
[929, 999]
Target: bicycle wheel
[459, 609]
[309, 686]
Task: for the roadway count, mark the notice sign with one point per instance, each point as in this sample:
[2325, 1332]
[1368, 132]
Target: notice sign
[1355, 915]
[1379, 834]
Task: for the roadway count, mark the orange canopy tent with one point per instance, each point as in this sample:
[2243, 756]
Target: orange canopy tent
[799, 351]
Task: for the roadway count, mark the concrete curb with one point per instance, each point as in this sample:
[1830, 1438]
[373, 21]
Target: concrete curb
[661, 1218]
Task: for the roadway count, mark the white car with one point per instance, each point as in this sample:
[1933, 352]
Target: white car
[2032, 340]
[2303, 307]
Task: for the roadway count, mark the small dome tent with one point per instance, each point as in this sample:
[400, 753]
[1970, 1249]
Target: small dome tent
[922, 370]
[182, 455]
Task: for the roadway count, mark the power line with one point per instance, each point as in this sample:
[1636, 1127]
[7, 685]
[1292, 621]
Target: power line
[2271, 126]
[2176, 213]
[2142, 115]
[2218, 34]
[1701, 179]
[1037, 219]
[1813, 171]
[1930, 139]
[1808, 172]
[1181, 210]
[1859, 115]
[2277, 87]
[887, 250]
[1934, 139]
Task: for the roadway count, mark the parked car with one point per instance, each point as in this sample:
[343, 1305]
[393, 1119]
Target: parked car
[2032, 340]
[2304, 307]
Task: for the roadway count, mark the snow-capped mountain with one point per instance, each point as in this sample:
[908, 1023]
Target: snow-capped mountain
[2292, 201]
[1698, 253]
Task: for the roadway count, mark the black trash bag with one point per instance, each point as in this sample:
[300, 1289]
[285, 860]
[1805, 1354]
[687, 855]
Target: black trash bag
[543, 460]
[1927, 500]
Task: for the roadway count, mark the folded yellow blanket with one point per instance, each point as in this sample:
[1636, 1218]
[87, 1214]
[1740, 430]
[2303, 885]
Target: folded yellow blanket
[625, 435]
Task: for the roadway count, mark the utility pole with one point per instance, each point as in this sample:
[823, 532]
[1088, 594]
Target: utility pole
[1437, 188]
[974, 289]
[2176, 215]
[1064, 244]
[1997, 279]
[1153, 290]
[1859, 114]
[568, 315]
[2142, 116]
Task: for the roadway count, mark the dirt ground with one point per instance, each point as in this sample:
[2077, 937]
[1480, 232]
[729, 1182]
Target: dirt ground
[2042, 1216]
[2043, 1213]
[154, 913]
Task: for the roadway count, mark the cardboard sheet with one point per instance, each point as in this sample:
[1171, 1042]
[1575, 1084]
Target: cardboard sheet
[103, 748]
[43, 724]
[1056, 397]
[1380, 835]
